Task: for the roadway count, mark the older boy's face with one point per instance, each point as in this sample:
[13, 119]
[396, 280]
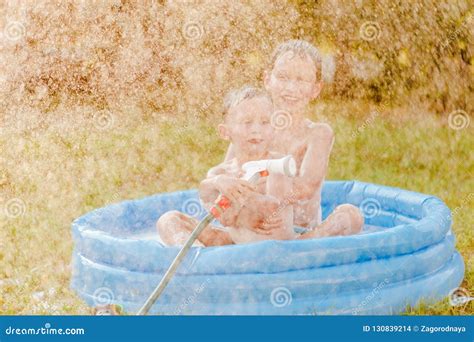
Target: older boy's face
[292, 82]
[248, 125]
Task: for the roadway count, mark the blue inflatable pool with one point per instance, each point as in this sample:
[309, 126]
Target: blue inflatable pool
[405, 254]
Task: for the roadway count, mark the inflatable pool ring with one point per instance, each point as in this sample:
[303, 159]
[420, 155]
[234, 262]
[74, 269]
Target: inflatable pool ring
[405, 255]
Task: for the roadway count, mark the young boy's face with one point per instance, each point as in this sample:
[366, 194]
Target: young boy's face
[248, 127]
[292, 82]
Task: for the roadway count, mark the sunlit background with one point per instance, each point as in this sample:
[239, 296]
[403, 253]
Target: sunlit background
[103, 101]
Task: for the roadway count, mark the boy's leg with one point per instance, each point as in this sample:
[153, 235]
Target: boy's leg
[175, 228]
[346, 219]
[281, 187]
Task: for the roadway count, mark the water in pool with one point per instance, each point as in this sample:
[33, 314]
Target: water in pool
[150, 234]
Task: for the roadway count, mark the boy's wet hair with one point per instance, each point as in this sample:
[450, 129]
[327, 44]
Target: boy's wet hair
[236, 96]
[299, 47]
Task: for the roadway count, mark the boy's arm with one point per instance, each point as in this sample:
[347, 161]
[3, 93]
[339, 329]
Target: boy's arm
[208, 193]
[230, 153]
[251, 209]
[235, 189]
[280, 187]
[315, 163]
[215, 171]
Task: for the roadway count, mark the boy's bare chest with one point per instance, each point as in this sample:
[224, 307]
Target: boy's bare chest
[233, 170]
[294, 147]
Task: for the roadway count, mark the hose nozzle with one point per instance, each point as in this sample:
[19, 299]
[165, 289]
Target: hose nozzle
[284, 166]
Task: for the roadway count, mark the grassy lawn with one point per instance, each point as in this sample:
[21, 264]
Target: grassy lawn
[56, 175]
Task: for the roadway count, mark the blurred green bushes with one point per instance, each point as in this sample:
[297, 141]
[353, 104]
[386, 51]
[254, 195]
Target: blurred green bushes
[179, 57]
[403, 52]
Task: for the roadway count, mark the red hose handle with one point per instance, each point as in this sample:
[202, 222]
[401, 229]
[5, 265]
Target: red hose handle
[223, 203]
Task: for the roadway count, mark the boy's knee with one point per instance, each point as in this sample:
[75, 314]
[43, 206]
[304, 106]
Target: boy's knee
[168, 218]
[355, 216]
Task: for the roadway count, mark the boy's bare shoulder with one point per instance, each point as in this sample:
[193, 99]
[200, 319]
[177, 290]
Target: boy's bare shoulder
[221, 169]
[217, 170]
[319, 131]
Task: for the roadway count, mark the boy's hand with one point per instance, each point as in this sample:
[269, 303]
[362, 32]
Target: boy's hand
[273, 222]
[267, 226]
[235, 189]
[264, 214]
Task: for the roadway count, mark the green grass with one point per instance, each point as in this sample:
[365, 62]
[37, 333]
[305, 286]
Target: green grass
[60, 174]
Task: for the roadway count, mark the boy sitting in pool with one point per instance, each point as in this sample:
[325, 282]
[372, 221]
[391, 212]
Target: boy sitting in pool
[292, 81]
[257, 212]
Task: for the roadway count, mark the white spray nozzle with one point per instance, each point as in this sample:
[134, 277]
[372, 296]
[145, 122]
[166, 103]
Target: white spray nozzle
[285, 166]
